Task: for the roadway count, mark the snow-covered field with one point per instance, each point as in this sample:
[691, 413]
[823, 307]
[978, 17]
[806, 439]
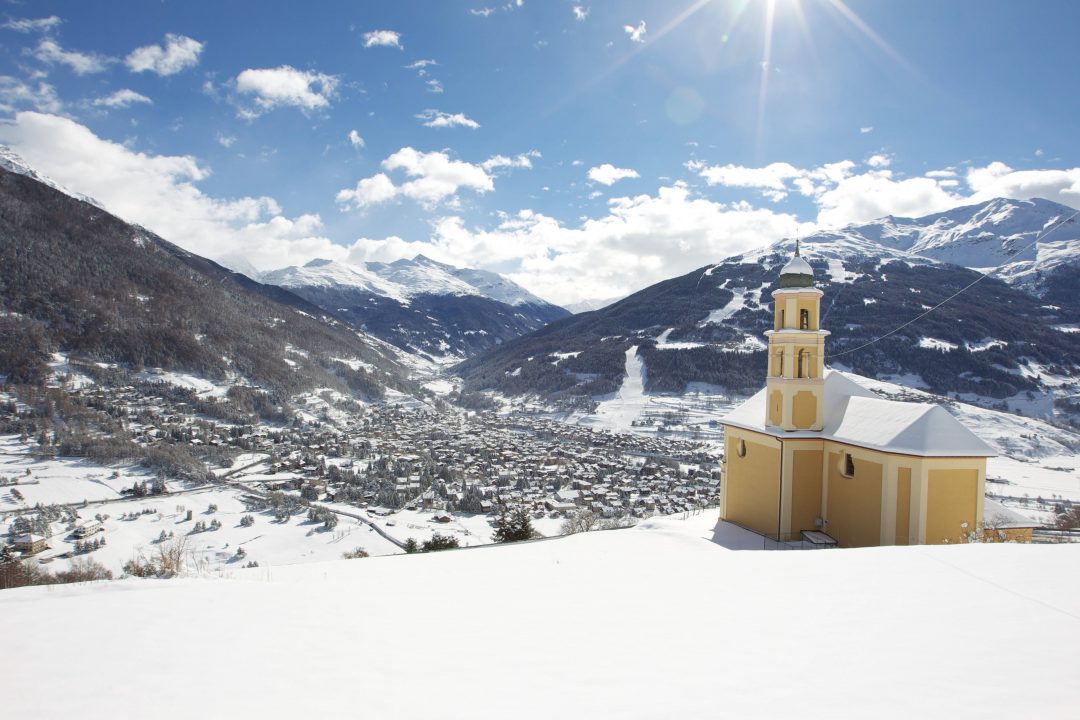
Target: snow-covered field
[654, 622]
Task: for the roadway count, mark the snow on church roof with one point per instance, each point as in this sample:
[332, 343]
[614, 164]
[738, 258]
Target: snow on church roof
[857, 416]
[797, 266]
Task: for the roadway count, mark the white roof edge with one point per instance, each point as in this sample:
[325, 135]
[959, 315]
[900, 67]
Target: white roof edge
[811, 435]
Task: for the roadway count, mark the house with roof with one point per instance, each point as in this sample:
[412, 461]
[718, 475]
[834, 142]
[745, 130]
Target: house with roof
[814, 454]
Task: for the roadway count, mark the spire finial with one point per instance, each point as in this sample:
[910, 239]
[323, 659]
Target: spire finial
[796, 246]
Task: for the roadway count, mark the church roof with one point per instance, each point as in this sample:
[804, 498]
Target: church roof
[856, 416]
[797, 266]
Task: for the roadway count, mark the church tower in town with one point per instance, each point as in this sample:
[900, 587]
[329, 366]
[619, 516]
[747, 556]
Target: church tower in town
[796, 373]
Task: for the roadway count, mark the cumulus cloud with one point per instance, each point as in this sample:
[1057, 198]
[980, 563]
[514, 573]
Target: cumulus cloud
[122, 99]
[481, 12]
[580, 12]
[226, 141]
[49, 52]
[637, 34]
[524, 160]
[439, 119]
[639, 241]
[434, 86]
[874, 194]
[434, 178]
[608, 174]
[29, 25]
[999, 180]
[382, 38]
[15, 94]
[285, 86]
[355, 139]
[177, 53]
[867, 129]
[161, 192]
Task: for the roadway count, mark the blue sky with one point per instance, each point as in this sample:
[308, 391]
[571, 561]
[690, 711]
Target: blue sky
[584, 149]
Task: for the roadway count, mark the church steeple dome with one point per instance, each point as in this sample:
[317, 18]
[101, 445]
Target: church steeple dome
[797, 273]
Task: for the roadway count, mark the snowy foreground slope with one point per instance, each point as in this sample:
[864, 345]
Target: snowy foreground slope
[657, 621]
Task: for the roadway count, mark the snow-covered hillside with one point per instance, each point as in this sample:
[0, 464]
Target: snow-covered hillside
[10, 161]
[419, 305]
[999, 233]
[674, 619]
[403, 279]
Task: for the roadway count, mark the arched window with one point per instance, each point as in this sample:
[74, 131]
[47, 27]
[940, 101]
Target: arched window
[783, 318]
[804, 319]
[780, 363]
[849, 465]
[806, 367]
[740, 448]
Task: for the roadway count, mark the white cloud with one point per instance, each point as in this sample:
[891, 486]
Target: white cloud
[226, 141]
[864, 197]
[580, 12]
[435, 178]
[122, 99]
[161, 192]
[439, 119]
[879, 161]
[434, 86]
[639, 241]
[524, 160]
[382, 38]
[28, 25]
[867, 129]
[1039, 152]
[999, 180]
[15, 93]
[355, 139]
[177, 53]
[773, 176]
[608, 174]
[49, 52]
[481, 12]
[286, 86]
[637, 34]
[842, 196]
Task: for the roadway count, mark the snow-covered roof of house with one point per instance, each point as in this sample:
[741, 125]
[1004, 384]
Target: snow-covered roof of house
[856, 416]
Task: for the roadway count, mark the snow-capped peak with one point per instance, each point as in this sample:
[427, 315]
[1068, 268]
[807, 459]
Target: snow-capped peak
[10, 161]
[404, 279]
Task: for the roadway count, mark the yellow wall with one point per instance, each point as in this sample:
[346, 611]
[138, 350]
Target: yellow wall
[804, 410]
[805, 489]
[1020, 535]
[776, 407]
[854, 505]
[903, 505]
[951, 500]
[752, 493]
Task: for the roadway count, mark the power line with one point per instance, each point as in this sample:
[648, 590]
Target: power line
[1044, 233]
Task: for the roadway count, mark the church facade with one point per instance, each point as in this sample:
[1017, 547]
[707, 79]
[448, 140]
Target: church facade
[816, 455]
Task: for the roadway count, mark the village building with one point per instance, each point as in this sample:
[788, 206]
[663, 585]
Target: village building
[815, 456]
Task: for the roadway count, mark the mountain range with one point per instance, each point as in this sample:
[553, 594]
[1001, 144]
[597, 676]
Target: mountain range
[1009, 340]
[420, 305]
[77, 280]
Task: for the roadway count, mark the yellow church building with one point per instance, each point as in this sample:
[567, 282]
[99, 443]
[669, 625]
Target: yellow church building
[816, 456]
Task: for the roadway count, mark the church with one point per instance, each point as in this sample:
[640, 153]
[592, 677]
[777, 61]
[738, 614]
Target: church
[815, 456]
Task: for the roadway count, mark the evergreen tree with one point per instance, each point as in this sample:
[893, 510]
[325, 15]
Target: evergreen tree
[514, 526]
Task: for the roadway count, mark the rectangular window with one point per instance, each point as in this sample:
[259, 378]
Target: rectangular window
[804, 319]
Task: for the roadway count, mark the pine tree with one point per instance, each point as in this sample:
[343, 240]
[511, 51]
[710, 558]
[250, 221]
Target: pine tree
[514, 526]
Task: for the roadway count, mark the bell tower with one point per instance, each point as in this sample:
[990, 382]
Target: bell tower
[796, 375]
